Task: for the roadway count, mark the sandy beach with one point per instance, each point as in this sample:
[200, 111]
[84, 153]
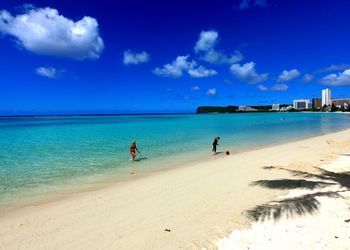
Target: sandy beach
[313, 215]
[204, 205]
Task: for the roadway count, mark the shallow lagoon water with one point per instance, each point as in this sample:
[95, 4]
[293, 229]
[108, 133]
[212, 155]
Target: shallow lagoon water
[41, 154]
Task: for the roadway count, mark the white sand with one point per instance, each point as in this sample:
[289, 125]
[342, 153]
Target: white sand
[198, 203]
[327, 228]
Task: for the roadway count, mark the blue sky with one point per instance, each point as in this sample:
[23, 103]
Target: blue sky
[69, 57]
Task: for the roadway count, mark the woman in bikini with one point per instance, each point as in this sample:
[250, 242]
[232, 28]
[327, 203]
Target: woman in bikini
[133, 149]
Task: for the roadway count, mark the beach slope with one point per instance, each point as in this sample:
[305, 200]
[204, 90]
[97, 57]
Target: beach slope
[184, 207]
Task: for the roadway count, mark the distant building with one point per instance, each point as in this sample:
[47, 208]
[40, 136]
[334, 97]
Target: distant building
[246, 108]
[317, 102]
[301, 104]
[275, 107]
[341, 102]
[326, 97]
[284, 109]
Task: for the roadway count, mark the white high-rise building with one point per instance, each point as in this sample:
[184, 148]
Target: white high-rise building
[275, 107]
[326, 97]
[301, 104]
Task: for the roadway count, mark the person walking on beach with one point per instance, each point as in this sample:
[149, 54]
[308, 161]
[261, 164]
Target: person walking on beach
[133, 149]
[215, 143]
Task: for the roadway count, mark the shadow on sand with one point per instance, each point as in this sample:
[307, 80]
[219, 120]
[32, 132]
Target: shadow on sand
[301, 205]
[141, 159]
[218, 153]
[290, 184]
[289, 208]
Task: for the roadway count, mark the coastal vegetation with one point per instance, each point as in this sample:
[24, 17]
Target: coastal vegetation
[216, 109]
[265, 108]
[234, 109]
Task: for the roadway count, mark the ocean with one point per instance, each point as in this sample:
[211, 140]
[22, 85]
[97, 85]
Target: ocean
[40, 155]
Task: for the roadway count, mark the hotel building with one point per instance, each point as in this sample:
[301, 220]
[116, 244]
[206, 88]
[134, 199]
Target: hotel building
[326, 97]
[317, 102]
[301, 104]
[275, 107]
[341, 102]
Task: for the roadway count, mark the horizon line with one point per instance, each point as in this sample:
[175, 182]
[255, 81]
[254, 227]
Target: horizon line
[94, 114]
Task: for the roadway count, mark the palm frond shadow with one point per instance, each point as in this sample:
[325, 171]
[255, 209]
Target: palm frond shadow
[342, 178]
[301, 205]
[291, 184]
[289, 208]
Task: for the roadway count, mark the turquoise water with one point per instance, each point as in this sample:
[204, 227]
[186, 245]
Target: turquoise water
[43, 153]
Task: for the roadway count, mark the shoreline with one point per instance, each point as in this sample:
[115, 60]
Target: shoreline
[198, 203]
[139, 114]
[85, 184]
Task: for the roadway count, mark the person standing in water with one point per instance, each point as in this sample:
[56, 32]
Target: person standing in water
[215, 143]
[133, 149]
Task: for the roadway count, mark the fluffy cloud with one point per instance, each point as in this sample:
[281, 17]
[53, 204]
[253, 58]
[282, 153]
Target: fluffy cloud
[205, 46]
[135, 58]
[48, 72]
[44, 31]
[207, 40]
[211, 92]
[279, 87]
[246, 4]
[201, 71]
[308, 78]
[340, 79]
[262, 87]
[174, 69]
[288, 75]
[182, 64]
[217, 57]
[247, 73]
[276, 87]
[334, 67]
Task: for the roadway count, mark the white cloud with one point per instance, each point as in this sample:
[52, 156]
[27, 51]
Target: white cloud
[44, 31]
[217, 57]
[276, 87]
[182, 64]
[340, 79]
[205, 46]
[201, 71]
[262, 87]
[288, 75]
[48, 72]
[308, 77]
[135, 58]
[334, 67]
[247, 73]
[195, 88]
[206, 41]
[246, 4]
[174, 69]
[279, 87]
[211, 92]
